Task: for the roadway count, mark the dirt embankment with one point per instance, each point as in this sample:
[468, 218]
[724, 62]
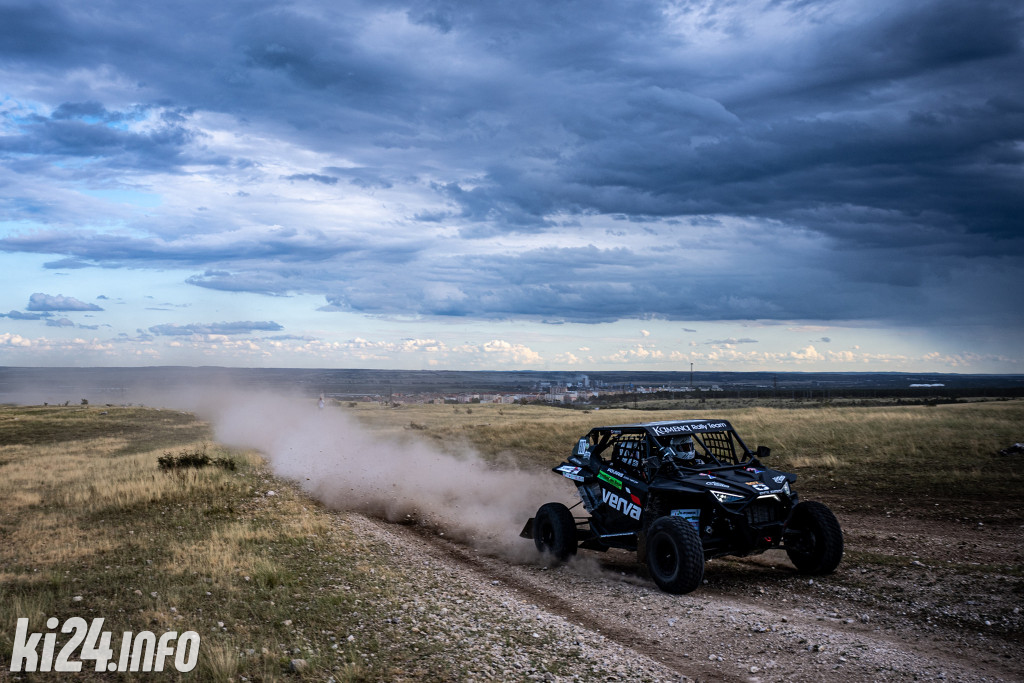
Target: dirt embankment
[912, 600]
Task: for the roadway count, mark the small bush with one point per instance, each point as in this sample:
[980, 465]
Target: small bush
[197, 459]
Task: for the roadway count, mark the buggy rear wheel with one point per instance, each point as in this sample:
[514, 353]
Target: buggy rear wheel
[554, 531]
[817, 545]
[675, 555]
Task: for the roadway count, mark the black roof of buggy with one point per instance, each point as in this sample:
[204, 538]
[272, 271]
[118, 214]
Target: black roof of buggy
[671, 427]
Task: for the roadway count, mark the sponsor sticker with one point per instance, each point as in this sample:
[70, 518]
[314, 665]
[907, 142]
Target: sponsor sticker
[624, 477]
[690, 515]
[570, 472]
[604, 476]
[717, 484]
[672, 429]
[758, 486]
[779, 478]
[667, 430]
[143, 651]
[621, 504]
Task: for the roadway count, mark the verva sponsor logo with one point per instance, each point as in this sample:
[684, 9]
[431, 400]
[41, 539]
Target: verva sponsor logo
[621, 504]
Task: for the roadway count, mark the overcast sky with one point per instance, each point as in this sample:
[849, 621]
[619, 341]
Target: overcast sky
[776, 184]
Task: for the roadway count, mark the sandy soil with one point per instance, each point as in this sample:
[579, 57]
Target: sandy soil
[913, 599]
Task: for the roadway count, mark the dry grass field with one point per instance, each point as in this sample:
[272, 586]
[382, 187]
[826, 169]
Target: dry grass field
[91, 526]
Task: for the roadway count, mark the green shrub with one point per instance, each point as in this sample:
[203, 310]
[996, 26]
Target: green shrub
[197, 459]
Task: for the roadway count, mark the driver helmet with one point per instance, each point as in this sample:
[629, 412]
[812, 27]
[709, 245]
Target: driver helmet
[683, 446]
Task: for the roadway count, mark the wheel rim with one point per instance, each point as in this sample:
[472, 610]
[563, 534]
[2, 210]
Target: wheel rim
[808, 544]
[547, 535]
[665, 556]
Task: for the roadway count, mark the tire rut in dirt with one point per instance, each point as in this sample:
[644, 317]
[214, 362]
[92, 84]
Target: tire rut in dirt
[496, 569]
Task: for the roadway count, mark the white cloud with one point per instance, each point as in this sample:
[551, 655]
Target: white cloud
[9, 339]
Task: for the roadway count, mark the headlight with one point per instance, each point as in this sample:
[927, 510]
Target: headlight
[724, 497]
[785, 488]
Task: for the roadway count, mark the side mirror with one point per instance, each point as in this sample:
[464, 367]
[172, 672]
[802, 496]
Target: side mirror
[763, 452]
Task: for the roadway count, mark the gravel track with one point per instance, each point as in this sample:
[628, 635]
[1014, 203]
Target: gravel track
[913, 600]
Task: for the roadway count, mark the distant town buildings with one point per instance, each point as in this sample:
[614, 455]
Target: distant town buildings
[580, 390]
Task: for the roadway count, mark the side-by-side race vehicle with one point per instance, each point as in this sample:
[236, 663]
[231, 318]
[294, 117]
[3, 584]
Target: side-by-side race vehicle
[679, 493]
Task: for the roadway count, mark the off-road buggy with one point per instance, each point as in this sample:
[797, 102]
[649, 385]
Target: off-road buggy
[679, 493]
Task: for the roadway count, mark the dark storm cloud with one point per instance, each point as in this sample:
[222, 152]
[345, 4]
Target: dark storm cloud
[18, 315]
[224, 328]
[88, 131]
[599, 285]
[888, 133]
[314, 177]
[731, 341]
[67, 264]
[47, 302]
[276, 244]
[290, 337]
[362, 177]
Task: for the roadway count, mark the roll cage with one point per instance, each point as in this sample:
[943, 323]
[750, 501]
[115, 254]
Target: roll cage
[716, 443]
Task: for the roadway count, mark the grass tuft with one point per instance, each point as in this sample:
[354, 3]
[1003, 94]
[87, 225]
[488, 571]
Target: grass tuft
[219, 663]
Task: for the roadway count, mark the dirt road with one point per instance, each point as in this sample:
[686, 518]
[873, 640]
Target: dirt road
[912, 600]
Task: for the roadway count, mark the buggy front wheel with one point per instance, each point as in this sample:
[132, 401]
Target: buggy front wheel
[814, 540]
[675, 555]
[554, 531]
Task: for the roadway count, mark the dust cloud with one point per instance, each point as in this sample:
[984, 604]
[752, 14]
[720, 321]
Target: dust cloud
[346, 467]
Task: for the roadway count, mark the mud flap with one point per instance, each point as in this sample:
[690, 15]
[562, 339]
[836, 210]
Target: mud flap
[527, 531]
